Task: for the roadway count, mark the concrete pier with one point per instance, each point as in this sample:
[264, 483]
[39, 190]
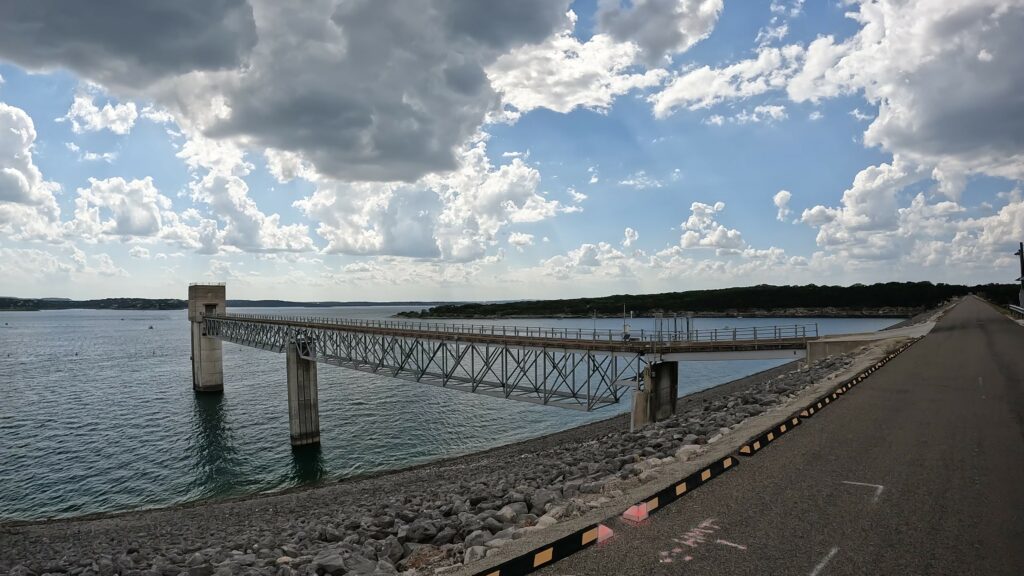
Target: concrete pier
[207, 357]
[657, 401]
[303, 405]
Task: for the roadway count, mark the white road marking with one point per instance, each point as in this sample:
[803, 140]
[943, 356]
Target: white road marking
[878, 488]
[727, 543]
[824, 561]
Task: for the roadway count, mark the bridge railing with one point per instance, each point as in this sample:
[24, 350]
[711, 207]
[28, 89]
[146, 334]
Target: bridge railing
[748, 333]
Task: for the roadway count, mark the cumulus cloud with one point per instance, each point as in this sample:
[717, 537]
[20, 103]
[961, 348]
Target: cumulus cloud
[118, 207]
[702, 230]
[455, 216]
[705, 86]
[85, 116]
[661, 28]
[361, 89]
[562, 73]
[629, 237]
[520, 240]
[139, 252]
[781, 201]
[28, 207]
[939, 105]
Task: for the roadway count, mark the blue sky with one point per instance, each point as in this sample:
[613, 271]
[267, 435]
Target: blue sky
[360, 150]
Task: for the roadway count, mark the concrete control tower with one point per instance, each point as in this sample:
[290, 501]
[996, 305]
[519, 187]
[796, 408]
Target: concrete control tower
[207, 358]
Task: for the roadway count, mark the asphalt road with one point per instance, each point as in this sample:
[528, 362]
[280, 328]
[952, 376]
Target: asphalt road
[918, 470]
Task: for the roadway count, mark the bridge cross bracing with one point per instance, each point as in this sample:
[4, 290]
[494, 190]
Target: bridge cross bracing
[573, 368]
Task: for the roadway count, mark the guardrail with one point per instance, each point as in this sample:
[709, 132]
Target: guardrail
[750, 333]
[1016, 309]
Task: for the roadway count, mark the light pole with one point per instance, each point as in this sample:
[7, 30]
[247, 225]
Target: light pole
[1020, 295]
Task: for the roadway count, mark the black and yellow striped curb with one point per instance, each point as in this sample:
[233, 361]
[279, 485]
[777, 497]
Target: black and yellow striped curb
[846, 386]
[568, 545]
[586, 537]
[756, 443]
[641, 510]
[547, 554]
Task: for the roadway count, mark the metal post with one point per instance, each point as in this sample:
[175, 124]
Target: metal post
[1020, 295]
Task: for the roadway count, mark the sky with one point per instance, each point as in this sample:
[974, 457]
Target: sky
[472, 150]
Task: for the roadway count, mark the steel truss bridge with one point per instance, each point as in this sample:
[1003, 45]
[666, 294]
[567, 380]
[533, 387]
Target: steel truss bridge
[570, 368]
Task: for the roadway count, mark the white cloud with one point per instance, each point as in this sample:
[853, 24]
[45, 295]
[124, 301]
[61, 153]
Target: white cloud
[629, 237]
[520, 240]
[157, 115]
[792, 8]
[562, 73]
[818, 215]
[576, 197]
[641, 181]
[661, 28]
[104, 266]
[86, 156]
[702, 230]
[246, 227]
[118, 207]
[762, 113]
[455, 216]
[704, 87]
[85, 116]
[815, 115]
[286, 166]
[781, 201]
[771, 34]
[31, 263]
[139, 252]
[594, 178]
[856, 113]
[938, 106]
[28, 206]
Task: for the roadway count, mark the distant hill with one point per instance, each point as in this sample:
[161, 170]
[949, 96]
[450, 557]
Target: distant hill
[892, 299]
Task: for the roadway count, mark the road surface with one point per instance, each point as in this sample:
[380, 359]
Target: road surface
[919, 470]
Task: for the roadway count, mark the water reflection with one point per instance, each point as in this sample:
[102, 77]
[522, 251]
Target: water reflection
[307, 464]
[215, 461]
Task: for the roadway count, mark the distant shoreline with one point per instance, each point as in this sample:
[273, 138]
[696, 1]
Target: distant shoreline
[129, 304]
[802, 313]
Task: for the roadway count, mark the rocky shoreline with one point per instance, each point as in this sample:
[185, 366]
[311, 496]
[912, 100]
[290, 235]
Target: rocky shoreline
[429, 519]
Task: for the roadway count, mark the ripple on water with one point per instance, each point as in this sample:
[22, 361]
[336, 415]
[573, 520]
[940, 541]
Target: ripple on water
[110, 422]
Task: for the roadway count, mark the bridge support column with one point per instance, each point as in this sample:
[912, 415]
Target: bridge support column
[657, 401]
[303, 405]
[207, 358]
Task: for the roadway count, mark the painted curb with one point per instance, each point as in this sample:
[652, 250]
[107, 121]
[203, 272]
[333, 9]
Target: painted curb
[568, 545]
[822, 402]
[548, 554]
[643, 509]
[758, 442]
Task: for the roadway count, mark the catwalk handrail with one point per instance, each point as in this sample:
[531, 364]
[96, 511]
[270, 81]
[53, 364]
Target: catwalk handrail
[749, 333]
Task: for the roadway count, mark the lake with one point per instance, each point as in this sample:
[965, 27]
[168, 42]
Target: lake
[97, 412]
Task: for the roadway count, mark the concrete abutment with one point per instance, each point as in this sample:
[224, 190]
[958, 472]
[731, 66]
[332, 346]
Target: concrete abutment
[657, 400]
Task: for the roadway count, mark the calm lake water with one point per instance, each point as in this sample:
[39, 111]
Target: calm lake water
[97, 412]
